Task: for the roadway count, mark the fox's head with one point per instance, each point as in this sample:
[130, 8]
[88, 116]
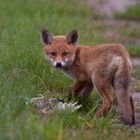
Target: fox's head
[59, 50]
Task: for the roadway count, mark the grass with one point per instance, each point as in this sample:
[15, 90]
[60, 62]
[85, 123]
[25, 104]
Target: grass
[137, 72]
[25, 73]
[135, 51]
[132, 13]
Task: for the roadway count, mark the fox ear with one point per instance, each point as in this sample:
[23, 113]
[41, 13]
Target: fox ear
[72, 37]
[46, 37]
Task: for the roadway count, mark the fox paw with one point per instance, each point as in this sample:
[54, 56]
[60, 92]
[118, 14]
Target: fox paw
[99, 114]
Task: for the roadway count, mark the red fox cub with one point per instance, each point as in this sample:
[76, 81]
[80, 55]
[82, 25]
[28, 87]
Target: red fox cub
[101, 67]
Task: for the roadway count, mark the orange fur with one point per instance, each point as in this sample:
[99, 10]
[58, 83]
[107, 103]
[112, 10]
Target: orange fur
[101, 67]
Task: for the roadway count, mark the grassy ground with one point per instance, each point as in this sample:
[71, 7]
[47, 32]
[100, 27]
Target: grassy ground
[25, 73]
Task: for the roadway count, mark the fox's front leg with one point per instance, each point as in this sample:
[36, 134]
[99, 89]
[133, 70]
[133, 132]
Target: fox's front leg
[76, 88]
[85, 92]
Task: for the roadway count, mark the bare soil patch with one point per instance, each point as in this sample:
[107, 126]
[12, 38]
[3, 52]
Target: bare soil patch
[109, 7]
[135, 61]
[126, 32]
[136, 98]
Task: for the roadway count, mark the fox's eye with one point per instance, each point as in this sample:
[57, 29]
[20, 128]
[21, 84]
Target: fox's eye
[53, 53]
[65, 53]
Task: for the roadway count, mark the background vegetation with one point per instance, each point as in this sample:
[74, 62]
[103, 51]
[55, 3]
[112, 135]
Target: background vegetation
[133, 13]
[25, 73]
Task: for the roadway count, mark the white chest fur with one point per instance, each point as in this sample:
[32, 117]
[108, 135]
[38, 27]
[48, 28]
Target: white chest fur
[69, 73]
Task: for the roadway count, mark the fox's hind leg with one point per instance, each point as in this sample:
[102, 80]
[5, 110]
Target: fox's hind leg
[124, 101]
[104, 89]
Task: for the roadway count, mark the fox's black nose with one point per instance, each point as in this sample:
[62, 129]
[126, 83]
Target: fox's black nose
[58, 65]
